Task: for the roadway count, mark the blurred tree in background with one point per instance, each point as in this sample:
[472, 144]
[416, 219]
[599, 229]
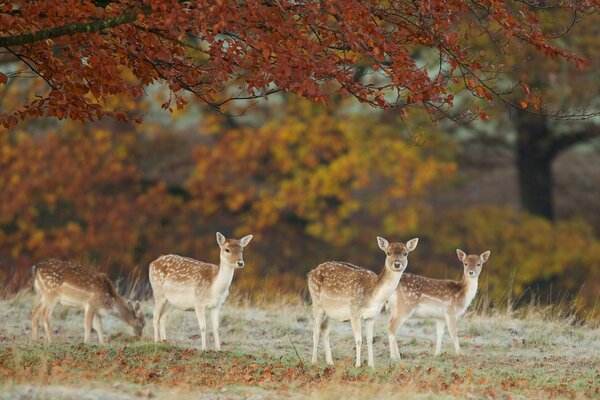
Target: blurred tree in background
[550, 90]
[313, 181]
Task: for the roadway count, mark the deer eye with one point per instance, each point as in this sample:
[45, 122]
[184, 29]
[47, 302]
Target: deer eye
[479, 265]
[227, 251]
[389, 253]
[465, 264]
[405, 254]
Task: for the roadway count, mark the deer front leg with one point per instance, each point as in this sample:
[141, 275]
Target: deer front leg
[98, 328]
[451, 322]
[88, 321]
[355, 322]
[393, 326]
[439, 330]
[369, 325]
[201, 315]
[397, 318]
[215, 324]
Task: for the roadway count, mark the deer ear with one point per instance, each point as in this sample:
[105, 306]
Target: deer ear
[484, 256]
[412, 244]
[383, 244]
[245, 240]
[137, 306]
[220, 239]
[461, 254]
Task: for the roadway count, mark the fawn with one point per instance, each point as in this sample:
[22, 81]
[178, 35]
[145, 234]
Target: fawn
[77, 286]
[343, 291]
[188, 284]
[442, 300]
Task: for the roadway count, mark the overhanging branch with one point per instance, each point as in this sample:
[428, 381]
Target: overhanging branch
[70, 29]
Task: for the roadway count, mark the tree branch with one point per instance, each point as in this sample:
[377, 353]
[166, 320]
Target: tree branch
[70, 29]
[563, 142]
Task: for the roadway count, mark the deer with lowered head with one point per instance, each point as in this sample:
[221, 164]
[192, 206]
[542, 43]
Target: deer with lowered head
[346, 292]
[77, 286]
[191, 285]
[441, 300]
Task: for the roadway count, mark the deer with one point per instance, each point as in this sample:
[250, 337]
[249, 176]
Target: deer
[442, 300]
[75, 285]
[346, 292]
[191, 285]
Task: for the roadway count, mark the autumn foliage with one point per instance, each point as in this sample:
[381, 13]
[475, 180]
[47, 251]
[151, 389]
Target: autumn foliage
[73, 194]
[311, 183]
[391, 55]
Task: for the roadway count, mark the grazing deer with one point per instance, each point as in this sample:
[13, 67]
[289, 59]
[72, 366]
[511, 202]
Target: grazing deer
[188, 284]
[442, 300]
[77, 286]
[345, 292]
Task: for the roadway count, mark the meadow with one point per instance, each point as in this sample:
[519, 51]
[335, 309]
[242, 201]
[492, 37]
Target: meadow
[534, 352]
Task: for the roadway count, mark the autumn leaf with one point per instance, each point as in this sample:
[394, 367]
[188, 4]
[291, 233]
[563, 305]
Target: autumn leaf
[298, 48]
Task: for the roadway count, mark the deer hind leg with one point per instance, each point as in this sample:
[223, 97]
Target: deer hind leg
[451, 321]
[159, 304]
[201, 315]
[369, 325]
[326, 344]
[35, 319]
[439, 331]
[46, 312]
[214, 315]
[167, 310]
[355, 322]
[98, 328]
[319, 315]
[90, 313]
[398, 316]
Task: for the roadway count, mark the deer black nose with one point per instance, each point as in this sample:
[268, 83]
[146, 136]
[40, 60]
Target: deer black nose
[240, 263]
[397, 264]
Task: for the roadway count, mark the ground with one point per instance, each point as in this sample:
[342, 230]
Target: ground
[266, 354]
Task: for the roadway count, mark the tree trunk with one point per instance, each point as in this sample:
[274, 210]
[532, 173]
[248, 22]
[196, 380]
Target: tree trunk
[534, 161]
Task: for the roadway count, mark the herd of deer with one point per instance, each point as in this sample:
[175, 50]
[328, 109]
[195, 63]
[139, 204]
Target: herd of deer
[339, 290]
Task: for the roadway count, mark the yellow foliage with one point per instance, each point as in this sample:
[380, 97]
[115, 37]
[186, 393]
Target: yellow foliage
[527, 251]
[330, 172]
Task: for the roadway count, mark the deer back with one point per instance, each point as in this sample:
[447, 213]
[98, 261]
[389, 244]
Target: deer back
[182, 271]
[342, 280]
[55, 277]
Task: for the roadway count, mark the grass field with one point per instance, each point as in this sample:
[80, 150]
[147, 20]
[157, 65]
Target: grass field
[266, 354]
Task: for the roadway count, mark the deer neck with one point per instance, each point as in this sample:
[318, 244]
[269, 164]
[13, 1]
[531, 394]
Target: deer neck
[119, 308]
[469, 289]
[223, 278]
[386, 284]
